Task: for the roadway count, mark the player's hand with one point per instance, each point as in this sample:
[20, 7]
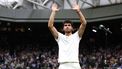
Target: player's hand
[55, 7]
[76, 7]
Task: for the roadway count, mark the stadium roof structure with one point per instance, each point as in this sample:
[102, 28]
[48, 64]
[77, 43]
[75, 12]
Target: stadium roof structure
[42, 15]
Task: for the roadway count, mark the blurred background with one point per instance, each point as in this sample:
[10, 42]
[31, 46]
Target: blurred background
[26, 42]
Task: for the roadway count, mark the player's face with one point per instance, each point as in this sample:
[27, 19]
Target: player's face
[67, 27]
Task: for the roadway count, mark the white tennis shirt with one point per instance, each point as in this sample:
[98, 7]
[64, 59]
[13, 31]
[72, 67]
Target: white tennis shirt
[68, 47]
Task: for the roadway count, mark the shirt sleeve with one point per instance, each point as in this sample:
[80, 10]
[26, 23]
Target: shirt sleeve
[77, 35]
[59, 36]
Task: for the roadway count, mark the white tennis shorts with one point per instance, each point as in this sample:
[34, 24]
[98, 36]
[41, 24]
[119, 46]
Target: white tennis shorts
[69, 65]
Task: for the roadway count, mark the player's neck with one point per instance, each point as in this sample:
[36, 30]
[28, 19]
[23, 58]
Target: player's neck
[68, 34]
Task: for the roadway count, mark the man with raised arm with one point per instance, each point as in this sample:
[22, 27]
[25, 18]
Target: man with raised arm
[68, 43]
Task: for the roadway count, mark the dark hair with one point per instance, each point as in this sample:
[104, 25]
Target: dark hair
[68, 21]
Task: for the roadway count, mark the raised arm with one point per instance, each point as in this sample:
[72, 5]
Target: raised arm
[51, 21]
[82, 20]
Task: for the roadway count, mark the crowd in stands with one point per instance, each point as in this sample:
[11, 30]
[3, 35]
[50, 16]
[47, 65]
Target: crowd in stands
[27, 58]
[47, 58]
[18, 51]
